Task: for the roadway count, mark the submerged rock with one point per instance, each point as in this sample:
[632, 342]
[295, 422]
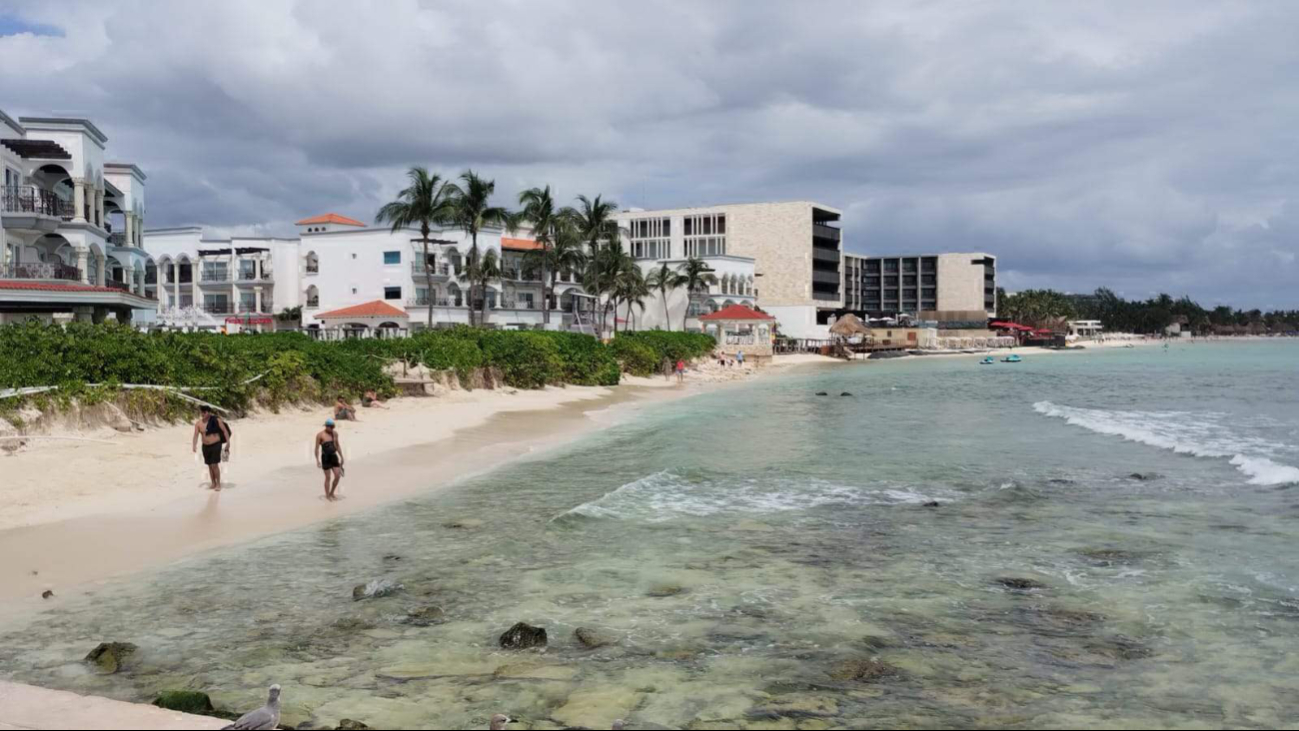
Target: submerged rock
[186, 701]
[933, 504]
[592, 639]
[425, 616]
[109, 656]
[845, 393]
[47, 594]
[1020, 584]
[1109, 556]
[822, 393]
[348, 724]
[665, 590]
[1144, 476]
[523, 636]
[863, 671]
[463, 524]
[375, 589]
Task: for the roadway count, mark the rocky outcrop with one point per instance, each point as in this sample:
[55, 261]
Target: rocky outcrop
[1020, 584]
[185, 701]
[348, 724]
[109, 657]
[375, 589]
[592, 639]
[523, 636]
[863, 671]
[424, 616]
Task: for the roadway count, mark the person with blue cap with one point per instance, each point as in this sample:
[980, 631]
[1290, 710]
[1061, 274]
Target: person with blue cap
[329, 457]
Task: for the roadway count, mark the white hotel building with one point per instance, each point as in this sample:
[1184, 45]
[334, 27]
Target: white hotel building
[338, 263]
[71, 226]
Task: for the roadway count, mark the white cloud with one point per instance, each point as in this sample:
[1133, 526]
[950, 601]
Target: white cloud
[1146, 146]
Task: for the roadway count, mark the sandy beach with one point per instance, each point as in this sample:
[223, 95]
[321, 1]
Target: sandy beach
[78, 512]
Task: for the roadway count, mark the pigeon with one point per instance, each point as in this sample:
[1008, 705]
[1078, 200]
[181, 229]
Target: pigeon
[499, 721]
[266, 717]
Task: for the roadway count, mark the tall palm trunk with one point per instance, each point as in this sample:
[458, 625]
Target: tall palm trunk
[482, 285]
[428, 276]
[545, 295]
[667, 316]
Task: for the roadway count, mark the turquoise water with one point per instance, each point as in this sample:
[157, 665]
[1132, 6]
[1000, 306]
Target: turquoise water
[762, 557]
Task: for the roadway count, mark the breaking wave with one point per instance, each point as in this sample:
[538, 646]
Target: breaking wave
[1201, 435]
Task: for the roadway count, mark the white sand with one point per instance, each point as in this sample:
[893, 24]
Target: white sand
[74, 512]
[29, 707]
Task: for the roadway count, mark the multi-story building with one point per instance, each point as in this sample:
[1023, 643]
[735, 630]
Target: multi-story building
[783, 257]
[884, 286]
[70, 226]
[338, 263]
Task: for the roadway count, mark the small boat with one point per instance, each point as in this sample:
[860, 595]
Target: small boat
[1012, 359]
[988, 361]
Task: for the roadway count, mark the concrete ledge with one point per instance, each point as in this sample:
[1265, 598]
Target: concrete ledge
[29, 707]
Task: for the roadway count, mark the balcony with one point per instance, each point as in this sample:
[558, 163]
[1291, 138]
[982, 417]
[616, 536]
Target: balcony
[246, 276]
[216, 277]
[218, 308]
[41, 270]
[438, 270]
[825, 296]
[825, 277]
[313, 302]
[117, 238]
[248, 308]
[823, 231]
[30, 200]
[313, 269]
[825, 254]
[114, 284]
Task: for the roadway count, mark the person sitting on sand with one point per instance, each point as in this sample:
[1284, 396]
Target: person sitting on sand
[371, 400]
[329, 457]
[343, 411]
[215, 435]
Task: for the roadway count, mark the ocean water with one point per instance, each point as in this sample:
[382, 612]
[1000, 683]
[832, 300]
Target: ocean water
[1114, 546]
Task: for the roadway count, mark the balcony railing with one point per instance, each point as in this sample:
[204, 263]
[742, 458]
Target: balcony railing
[246, 308]
[114, 284]
[33, 200]
[313, 302]
[264, 276]
[437, 270]
[826, 232]
[313, 269]
[216, 276]
[41, 270]
[219, 308]
[117, 238]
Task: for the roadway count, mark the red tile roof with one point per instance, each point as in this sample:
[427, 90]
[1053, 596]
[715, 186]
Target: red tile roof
[520, 244]
[31, 286]
[377, 308]
[737, 312]
[331, 218]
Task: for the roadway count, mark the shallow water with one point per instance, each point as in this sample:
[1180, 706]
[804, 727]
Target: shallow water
[748, 549]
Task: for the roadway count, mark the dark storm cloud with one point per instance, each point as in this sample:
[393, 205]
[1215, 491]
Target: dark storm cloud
[1146, 146]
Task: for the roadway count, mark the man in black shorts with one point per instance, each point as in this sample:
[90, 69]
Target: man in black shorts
[215, 435]
[329, 457]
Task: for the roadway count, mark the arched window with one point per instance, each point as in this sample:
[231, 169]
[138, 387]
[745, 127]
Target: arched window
[313, 296]
[453, 293]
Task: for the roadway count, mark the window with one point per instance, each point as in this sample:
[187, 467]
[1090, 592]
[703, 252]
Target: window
[390, 293]
[353, 256]
[353, 290]
[391, 257]
[705, 235]
[651, 238]
[421, 296]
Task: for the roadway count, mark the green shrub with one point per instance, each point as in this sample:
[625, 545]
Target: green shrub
[637, 358]
[586, 361]
[525, 359]
[673, 346]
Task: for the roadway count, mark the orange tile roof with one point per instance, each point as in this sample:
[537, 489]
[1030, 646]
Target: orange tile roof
[737, 312]
[520, 244]
[331, 218]
[377, 308]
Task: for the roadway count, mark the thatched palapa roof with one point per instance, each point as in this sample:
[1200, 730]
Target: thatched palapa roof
[849, 325]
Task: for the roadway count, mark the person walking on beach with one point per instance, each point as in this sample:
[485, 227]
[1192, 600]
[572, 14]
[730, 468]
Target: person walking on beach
[329, 457]
[216, 436]
[739, 357]
[681, 371]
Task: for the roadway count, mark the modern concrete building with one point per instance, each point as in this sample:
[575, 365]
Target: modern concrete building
[783, 257]
[884, 286]
[70, 226]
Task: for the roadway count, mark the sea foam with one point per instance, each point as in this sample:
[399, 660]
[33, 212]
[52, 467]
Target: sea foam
[665, 496]
[1200, 435]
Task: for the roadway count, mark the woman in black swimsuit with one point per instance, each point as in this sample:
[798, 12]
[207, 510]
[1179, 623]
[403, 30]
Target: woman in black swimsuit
[215, 436]
[329, 457]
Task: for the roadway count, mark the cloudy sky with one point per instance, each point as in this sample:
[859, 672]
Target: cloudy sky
[1143, 146]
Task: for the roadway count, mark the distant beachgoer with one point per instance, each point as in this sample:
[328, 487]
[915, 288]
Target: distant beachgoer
[371, 399]
[343, 411]
[329, 457]
[681, 371]
[739, 357]
[216, 439]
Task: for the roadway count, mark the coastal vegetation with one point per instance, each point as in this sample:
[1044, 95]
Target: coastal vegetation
[236, 372]
[1045, 307]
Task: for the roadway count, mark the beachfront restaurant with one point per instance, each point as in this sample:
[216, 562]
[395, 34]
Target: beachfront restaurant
[741, 328]
[376, 319]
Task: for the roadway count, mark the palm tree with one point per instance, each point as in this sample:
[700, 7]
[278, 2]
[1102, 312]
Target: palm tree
[632, 289]
[696, 276]
[594, 221]
[423, 203]
[665, 282]
[470, 209]
[538, 209]
[481, 272]
[565, 253]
